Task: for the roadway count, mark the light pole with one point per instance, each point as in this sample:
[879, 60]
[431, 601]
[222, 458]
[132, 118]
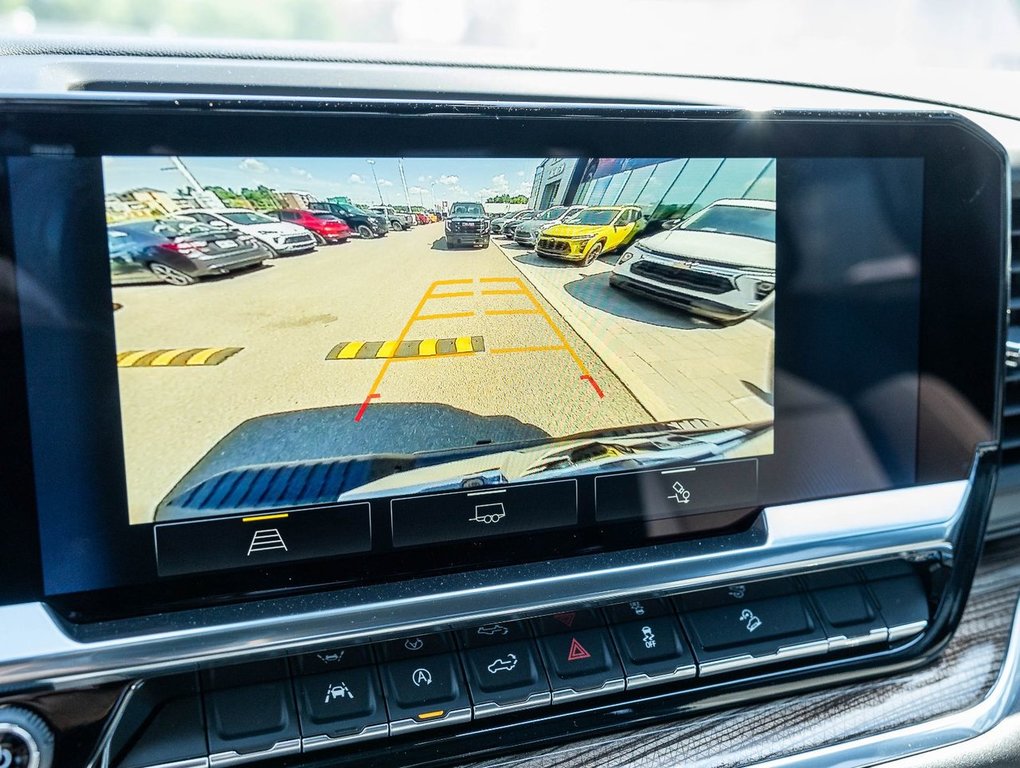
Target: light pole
[377, 187]
[432, 192]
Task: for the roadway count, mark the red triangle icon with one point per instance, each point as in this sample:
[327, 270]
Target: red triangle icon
[566, 619]
[577, 651]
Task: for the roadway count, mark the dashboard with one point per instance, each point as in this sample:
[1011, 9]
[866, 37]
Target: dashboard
[456, 412]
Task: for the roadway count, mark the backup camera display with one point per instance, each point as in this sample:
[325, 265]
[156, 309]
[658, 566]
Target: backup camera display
[305, 332]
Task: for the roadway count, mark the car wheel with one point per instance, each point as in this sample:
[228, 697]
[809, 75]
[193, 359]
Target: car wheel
[171, 275]
[594, 253]
[364, 231]
[319, 239]
[485, 243]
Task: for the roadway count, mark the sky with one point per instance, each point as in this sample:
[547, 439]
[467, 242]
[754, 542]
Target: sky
[450, 179]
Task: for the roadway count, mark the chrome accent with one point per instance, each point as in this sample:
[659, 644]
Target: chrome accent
[288, 747]
[680, 673]
[1012, 354]
[1002, 700]
[193, 762]
[842, 642]
[786, 652]
[787, 539]
[368, 732]
[101, 756]
[488, 708]
[569, 694]
[34, 754]
[410, 724]
[906, 630]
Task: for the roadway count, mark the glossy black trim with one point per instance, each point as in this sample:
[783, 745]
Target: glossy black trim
[90, 126]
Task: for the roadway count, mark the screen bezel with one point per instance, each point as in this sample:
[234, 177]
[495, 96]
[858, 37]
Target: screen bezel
[967, 216]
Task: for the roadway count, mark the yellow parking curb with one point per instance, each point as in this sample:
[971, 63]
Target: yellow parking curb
[397, 350]
[175, 358]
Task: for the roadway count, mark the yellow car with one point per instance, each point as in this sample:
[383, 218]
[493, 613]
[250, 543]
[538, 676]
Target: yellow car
[590, 233]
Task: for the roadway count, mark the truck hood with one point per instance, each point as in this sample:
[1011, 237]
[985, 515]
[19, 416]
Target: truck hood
[715, 247]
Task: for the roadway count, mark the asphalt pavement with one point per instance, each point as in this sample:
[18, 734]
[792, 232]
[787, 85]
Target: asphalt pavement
[361, 326]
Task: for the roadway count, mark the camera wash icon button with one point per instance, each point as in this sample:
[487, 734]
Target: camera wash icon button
[483, 513]
[664, 493]
[256, 539]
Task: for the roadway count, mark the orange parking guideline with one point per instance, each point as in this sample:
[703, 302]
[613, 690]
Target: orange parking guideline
[446, 316]
[511, 312]
[555, 328]
[372, 392]
[503, 292]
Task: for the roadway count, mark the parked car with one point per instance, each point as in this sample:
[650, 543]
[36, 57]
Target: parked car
[719, 263]
[280, 237]
[511, 226]
[498, 222]
[367, 225]
[467, 225]
[422, 217]
[396, 219]
[433, 216]
[591, 233]
[526, 232]
[178, 251]
[326, 227]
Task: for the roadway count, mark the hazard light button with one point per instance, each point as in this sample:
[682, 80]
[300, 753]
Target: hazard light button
[582, 663]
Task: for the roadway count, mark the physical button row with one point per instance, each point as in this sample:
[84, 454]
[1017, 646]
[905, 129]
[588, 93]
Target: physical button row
[355, 693]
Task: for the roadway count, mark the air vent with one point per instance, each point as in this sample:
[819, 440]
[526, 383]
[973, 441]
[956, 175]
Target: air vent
[1011, 401]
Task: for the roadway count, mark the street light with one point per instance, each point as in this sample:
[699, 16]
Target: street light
[377, 187]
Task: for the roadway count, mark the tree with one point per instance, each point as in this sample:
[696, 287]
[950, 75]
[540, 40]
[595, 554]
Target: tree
[262, 198]
[512, 199]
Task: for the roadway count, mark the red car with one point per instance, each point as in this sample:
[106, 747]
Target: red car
[423, 218]
[326, 227]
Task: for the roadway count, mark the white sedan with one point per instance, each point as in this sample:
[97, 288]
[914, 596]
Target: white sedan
[280, 237]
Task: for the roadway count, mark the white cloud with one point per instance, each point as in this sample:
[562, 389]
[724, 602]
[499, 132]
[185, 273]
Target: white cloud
[416, 190]
[421, 179]
[355, 179]
[301, 173]
[253, 165]
[448, 180]
[385, 183]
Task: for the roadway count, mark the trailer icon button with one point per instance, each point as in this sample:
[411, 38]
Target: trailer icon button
[489, 513]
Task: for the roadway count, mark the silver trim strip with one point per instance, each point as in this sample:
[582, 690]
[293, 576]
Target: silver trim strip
[368, 732]
[1001, 700]
[788, 538]
[680, 673]
[288, 747]
[907, 630]
[489, 708]
[194, 762]
[841, 643]
[569, 694]
[813, 648]
[453, 716]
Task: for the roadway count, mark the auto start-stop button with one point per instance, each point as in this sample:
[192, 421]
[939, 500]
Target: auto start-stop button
[25, 740]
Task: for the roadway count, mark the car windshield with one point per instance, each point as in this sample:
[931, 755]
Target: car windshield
[245, 217]
[355, 210]
[467, 209]
[759, 223]
[595, 217]
[325, 216]
[552, 213]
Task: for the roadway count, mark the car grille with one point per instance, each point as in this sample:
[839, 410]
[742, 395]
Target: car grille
[554, 246]
[296, 239]
[703, 282]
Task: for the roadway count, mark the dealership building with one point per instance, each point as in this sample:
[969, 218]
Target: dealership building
[664, 188]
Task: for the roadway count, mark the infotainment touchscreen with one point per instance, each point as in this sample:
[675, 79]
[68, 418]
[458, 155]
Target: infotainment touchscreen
[294, 332]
